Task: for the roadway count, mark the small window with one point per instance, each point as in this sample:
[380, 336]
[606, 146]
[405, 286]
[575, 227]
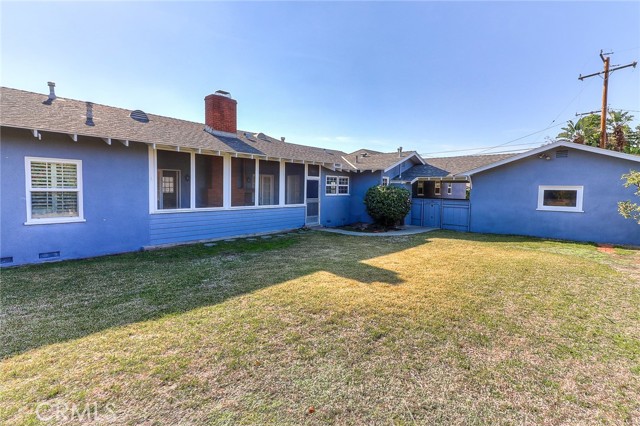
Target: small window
[560, 198]
[337, 185]
[54, 190]
[436, 191]
[313, 170]
[385, 181]
[420, 190]
[449, 188]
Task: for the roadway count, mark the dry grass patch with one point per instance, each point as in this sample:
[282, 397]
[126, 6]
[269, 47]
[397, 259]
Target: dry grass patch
[439, 328]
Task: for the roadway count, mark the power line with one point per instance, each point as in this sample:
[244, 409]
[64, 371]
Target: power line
[474, 149]
[523, 137]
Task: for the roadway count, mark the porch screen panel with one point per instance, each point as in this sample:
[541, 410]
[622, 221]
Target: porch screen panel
[209, 175]
[174, 175]
[243, 178]
[294, 183]
[269, 183]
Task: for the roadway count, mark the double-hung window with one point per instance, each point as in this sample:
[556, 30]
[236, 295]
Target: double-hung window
[54, 190]
[337, 185]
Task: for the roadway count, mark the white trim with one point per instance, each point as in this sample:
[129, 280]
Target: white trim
[543, 148]
[29, 189]
[462, 178]
[226, 181]
[348, 162]
[385, 181]
[402, 160]
[152, 179]
[220, 209]
[256, 183]
[192, 180]
[579, 197]
[281, 181]
[437, 188]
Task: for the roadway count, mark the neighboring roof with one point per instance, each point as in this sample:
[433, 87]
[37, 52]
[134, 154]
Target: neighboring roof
[364, 151]
[544, 148]
[372, 160]
[22, 109]
[449, 166]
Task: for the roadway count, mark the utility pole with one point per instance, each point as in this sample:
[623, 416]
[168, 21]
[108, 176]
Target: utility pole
[605, 88]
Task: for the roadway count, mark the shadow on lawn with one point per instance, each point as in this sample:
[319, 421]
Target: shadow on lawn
[51, 303]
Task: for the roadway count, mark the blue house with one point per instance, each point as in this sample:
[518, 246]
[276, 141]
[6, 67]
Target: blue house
[561, 190]
[80, 179]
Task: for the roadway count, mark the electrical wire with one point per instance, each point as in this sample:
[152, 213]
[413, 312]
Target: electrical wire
[473, 149]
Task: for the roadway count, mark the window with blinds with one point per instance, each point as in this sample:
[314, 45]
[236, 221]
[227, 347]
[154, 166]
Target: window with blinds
[54, 190]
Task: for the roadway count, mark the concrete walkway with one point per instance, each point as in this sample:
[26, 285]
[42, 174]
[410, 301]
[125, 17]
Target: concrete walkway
[406, 230]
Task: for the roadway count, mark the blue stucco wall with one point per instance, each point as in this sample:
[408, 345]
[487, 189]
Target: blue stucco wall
[334, 209]
[361, 182]
[115, 196]
[169, 228]
[504, 199]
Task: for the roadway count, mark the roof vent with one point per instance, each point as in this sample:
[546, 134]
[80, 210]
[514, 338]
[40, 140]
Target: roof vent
[282, 138]
[562, 153]
[52, 93]
[261, 136]
[89, 121]
[140, 116]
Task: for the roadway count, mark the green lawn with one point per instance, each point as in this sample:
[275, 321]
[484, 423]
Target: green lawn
[312, 327]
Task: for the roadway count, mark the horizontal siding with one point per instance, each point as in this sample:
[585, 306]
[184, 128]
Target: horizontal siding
[167, 228]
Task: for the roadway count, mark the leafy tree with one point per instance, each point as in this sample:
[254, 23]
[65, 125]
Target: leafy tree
[618, 129]
[387, 205]
[619, 132]
[584, 131]
[628, 209]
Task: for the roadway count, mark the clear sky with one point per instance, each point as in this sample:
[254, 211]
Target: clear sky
[427, 76]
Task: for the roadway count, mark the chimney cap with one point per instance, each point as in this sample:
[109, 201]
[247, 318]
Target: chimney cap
[223, 93]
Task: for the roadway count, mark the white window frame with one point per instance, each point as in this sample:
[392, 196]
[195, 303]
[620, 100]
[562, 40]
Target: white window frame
[337, 185]
[579, 198]
[385, 181]
[29, 189]
[420, 189]
[449, 188]
[436, 190]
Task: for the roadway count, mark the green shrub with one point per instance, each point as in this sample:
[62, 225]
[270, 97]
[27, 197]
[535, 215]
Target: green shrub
[387, 205]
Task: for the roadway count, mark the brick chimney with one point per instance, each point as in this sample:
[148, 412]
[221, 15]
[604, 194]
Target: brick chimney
[220, 112]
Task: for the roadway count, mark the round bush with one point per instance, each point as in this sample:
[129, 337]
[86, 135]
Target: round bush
[387, 205]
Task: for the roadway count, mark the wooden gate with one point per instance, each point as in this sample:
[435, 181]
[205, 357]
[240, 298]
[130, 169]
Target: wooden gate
[440, 213]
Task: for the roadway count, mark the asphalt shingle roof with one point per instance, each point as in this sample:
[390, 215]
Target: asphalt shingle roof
[22, 109]
[449, 166]
[376, 160]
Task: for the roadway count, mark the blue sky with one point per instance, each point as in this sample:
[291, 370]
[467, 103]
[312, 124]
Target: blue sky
[437, 77]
